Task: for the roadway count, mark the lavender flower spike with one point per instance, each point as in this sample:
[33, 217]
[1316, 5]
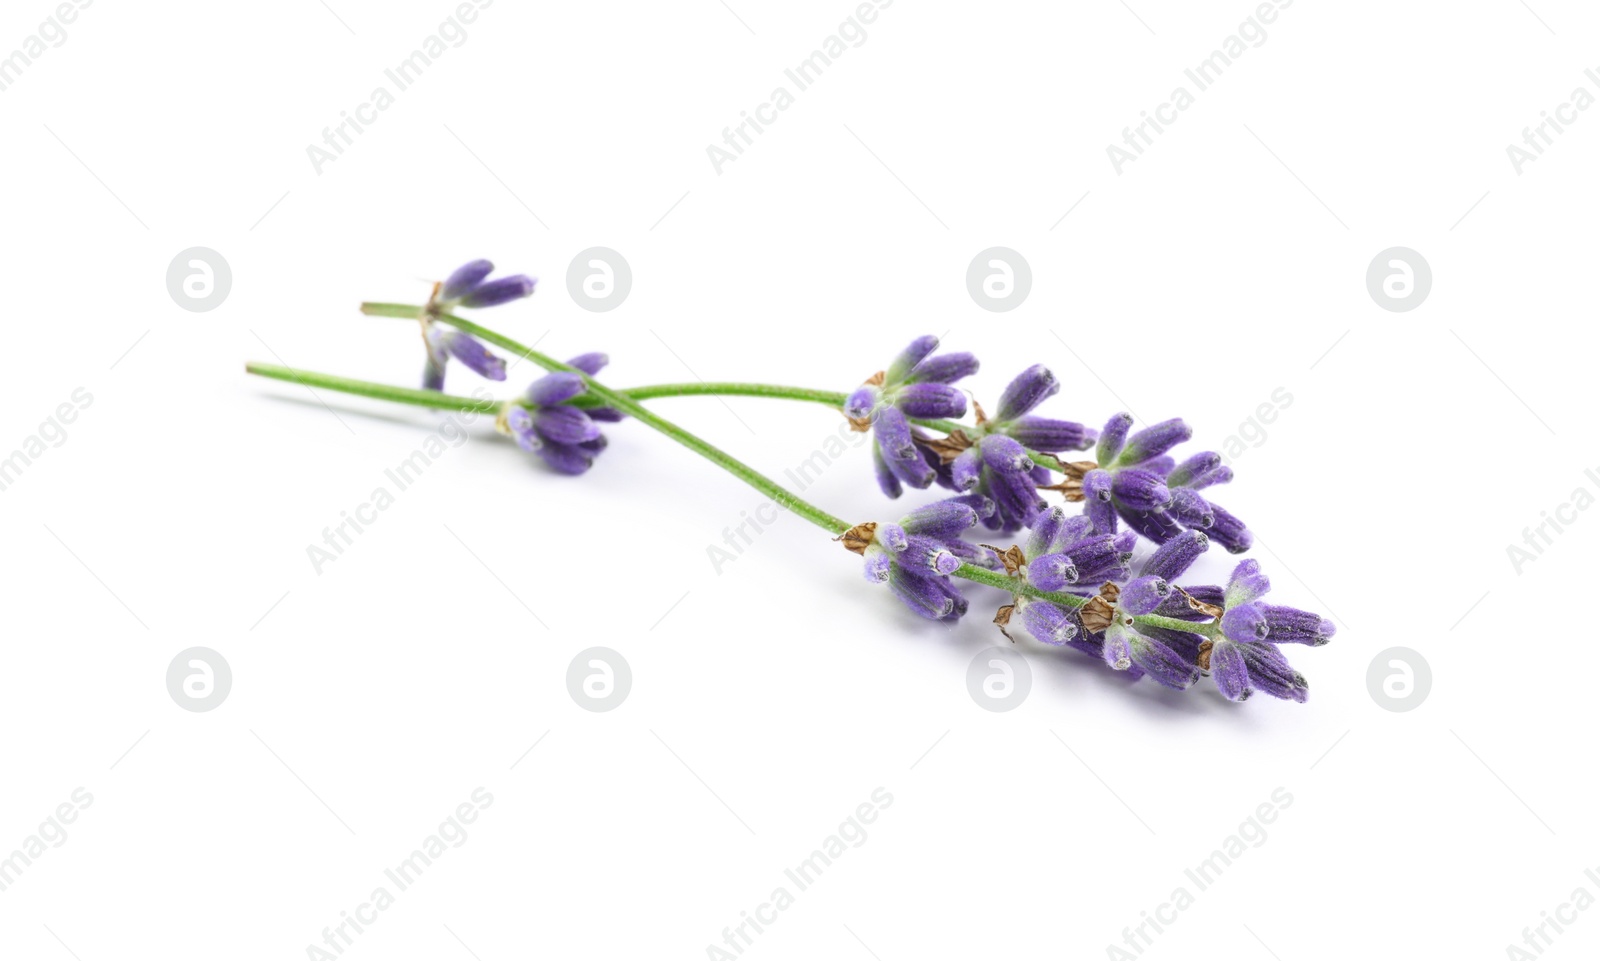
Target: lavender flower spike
[917, 383]
[467, 286]
[543, 423]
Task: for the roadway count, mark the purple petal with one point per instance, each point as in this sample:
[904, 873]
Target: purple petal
[1004, 454]
[552, 389]
[1245, 623]
[1288, 625]
[520, 421]
[1112, 438]
[1164, 665]
[943, 369]
[1052, 572]
[892, 536]
[922, 594]
[964, 470]
[501, 291]
[1246, 584]
[1045, 621]
[877, 565]
[1229, 670]
[1050, 436]
[432, 373]
[1175, 556]
[590, 363]
[944, 519]
[1154, 440]
[1229, 531]
[566, 458]
[1143, 595]
[893, 434]
[1026, 392]
[1271, 674]
[1141, 490]
[931, 400]
[564, 425]
[476, 356]
[1194, 466]
[901, 366]
[466, 277]
[1118, 648]
[607, 414]
[861, 401]
[925, 555]
[1190, 509]
[1211, 478]
[1157, 526]
[887, 482]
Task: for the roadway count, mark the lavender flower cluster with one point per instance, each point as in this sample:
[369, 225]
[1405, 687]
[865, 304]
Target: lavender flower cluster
[1132, 616]
[1073, 576]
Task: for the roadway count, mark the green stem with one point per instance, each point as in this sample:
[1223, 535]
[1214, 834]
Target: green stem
[367, 388]
[634, 409]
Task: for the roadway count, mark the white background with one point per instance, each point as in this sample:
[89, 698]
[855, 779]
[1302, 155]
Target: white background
[771, 699]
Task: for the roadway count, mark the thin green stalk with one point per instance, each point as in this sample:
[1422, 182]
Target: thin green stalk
[634, 409]
[367, 388]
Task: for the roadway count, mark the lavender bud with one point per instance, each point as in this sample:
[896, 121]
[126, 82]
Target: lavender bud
[497, 292]
[1287, 625]
[1192, 467]
[465, 278]
[1052, 572]
[564, 425]
[901, 366]
[590, 363]
[1026, 392]
[943, 369]
[1155, 440]
[1245, 623]
[1048, 435]
[1191, 509]
[1112, 438]
[1177, 555]
[1004, 454]
[931, 400]
[1045, 621]
[552, 389]
[1143, 594]
[1141, 490]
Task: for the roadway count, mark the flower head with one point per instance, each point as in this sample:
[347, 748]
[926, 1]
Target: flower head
[544, 423]
[469, 286]
[916, 555]
[997, 457]
[1245, 657]
[917, 383]
[1132, 480]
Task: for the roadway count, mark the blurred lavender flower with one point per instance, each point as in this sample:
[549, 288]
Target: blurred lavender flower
[916, 383]
[468, 286]
[542, 422]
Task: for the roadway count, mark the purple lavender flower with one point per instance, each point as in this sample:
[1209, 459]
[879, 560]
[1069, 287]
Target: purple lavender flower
[1245, 656]
[1106, 624]
[444, 343]
[468, 286]
[917, 383]
[916, 555]
[996, 458]
[542, 422]
[1132, 480]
